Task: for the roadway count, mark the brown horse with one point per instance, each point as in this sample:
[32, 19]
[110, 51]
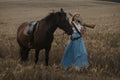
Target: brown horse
[43, 34]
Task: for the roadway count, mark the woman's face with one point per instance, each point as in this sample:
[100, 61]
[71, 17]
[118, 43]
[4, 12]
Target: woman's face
[76, 17]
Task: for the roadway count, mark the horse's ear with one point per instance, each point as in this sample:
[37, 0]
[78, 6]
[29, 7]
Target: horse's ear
[61, 10]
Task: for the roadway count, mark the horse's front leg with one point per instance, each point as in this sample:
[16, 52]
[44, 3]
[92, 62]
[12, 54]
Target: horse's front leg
[47, 55]
[36, 56]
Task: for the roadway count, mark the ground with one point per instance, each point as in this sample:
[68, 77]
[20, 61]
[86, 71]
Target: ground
[102, 42]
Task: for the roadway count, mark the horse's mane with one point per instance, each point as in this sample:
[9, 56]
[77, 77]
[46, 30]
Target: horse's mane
[52, 17]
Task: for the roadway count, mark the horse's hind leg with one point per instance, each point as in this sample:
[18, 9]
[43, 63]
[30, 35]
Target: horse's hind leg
[24, 53]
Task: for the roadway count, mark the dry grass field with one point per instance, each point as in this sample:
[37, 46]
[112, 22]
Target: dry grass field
[103, 42]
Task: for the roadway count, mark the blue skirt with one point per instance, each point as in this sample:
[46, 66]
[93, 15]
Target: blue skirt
[75, 53]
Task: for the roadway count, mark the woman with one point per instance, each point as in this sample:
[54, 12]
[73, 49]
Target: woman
[75, 53]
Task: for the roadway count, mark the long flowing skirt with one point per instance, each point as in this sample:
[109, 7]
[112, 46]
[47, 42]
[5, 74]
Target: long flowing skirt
[75, 53]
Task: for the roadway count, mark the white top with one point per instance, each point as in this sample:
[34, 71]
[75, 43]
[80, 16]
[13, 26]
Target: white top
[78, 26]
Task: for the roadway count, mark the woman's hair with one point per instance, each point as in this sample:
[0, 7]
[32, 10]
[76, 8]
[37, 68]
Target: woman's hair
[74, 17]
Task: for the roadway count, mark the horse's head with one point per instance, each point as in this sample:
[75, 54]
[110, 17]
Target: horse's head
[63, 22]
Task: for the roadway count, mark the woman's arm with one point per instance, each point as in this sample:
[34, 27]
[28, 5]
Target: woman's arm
[86, 24]
[89, 25]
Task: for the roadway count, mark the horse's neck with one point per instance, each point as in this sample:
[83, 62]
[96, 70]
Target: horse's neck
[51, 30]
[50, 27]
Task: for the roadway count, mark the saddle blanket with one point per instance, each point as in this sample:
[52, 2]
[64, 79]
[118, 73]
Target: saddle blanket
[30, 28]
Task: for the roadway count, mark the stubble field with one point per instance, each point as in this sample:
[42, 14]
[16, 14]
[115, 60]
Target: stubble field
[103, 42]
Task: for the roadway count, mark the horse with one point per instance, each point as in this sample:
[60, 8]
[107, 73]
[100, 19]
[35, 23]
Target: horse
[43, 34]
